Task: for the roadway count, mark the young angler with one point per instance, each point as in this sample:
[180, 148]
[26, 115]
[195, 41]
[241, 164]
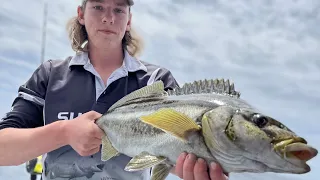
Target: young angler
[55, 111]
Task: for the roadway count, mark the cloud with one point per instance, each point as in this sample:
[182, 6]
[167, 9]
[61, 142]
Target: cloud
[14, 172]
[248, 43]
[269, 49]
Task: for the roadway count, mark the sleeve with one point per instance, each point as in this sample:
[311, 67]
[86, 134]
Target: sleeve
[166, 77]
[27, 108]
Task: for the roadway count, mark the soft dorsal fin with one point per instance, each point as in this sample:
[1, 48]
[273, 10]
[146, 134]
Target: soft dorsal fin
[207, 86]
[157, 88]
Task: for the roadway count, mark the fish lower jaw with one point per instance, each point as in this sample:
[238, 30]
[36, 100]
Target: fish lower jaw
[298, 151]
[298, 154]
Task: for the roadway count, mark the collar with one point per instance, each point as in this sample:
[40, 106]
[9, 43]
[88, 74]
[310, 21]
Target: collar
[130, 63]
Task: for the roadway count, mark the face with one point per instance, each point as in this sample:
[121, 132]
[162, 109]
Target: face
[106, 21]
[255, 142]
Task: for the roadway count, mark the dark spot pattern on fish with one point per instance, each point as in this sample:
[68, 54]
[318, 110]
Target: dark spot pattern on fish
[136, 127]
[143, 101]
[164, 103]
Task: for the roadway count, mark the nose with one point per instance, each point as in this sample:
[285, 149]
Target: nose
[108, 16]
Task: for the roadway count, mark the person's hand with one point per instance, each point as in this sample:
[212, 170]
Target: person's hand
[83, 135]
[188, 167]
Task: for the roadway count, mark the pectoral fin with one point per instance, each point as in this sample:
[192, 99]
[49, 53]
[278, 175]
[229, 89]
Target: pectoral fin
[143, 161]
[172, 122]
[107, 151]
[160, 172]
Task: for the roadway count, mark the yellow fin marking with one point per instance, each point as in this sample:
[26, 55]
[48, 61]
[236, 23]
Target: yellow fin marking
[172, 122]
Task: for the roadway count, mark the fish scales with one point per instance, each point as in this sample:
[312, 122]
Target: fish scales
[136, 134]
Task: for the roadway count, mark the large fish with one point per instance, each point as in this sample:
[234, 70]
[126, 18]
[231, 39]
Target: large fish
[206, 118]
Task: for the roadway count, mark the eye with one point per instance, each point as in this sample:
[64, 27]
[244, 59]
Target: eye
[117, 10]
[98, 7]
[259, 120]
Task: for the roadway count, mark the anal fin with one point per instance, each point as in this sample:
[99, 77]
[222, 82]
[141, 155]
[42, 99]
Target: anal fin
[143, 161]
[160, 172]
[107, 151]
[173, 122]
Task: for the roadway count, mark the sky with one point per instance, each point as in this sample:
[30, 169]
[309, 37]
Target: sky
[268, 48]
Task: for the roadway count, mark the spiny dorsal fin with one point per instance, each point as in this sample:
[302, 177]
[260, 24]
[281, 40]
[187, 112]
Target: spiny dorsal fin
[207, 86]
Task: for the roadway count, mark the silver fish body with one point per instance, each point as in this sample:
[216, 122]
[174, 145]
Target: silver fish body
[131, 136]
[206, 118]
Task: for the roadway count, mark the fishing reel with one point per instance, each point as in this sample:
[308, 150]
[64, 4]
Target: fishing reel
[34, 167]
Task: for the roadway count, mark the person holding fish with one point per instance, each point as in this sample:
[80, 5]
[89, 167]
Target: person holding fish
[56, 110]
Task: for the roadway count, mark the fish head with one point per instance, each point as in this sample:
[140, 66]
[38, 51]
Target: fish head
[258, 142]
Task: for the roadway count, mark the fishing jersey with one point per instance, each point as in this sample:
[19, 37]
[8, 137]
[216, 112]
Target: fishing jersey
[65, 89]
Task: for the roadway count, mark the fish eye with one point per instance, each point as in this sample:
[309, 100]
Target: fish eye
[259, 120]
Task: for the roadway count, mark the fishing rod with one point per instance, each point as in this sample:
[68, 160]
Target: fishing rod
[44, 30]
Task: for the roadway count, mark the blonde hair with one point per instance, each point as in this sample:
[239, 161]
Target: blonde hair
[78, 36]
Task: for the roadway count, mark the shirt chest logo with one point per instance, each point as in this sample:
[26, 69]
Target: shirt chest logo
[67, 115]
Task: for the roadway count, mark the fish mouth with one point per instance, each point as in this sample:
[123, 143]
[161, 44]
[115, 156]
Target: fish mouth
[296, 151]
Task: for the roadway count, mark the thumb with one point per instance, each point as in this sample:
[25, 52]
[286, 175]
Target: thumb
[216, 172]
[98, 132]
[93, 115]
